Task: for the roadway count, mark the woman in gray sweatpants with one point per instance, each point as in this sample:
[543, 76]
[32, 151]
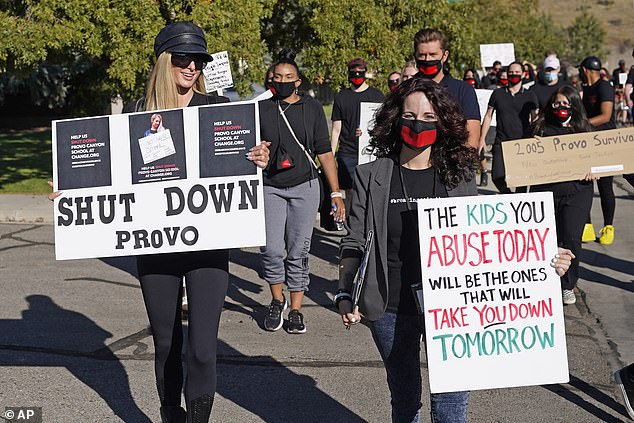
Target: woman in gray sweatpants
[296, 127]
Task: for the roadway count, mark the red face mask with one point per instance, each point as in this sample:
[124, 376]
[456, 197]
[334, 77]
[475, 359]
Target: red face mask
[471, 81]
[515, 79]
[356, 78]
[504, 82]
[429, 68]
[418, 135]
[562, 114]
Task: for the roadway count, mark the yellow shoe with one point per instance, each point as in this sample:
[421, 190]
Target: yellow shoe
[588, 233]
[607, 235]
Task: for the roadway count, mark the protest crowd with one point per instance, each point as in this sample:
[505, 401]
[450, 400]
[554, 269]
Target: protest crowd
[430, 139]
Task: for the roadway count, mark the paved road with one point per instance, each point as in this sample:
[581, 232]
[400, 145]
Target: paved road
[74, 339]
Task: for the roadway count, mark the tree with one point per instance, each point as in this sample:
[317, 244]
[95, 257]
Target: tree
[584, 37]
[106, 46]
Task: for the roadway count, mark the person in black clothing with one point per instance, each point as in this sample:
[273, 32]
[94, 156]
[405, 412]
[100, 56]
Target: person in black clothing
[515, 108]
[176, 81]
[472, 78]
[393, 80]
[346, 113]
[617, 71]
[598, 101]
[296, 127]
[565, 114]
[420, 140]
[490, 80]
[549, 82]
[431, 54]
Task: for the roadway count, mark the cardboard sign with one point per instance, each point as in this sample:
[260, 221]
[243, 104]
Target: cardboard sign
[492, 304]
[483, 103]
[489, 53]
[534, 161]
[218, 72]
[366, 124]
[118, 200]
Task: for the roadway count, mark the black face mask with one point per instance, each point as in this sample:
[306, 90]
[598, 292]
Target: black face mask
[514, 79]
[356, 78]
[429, 68]
[283, 89]
[582, 76]
[392, 84]
[562, 114]
[417, 134]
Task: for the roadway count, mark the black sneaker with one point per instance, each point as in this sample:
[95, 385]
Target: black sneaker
[295, 322]
[273, 320]
[626, 384]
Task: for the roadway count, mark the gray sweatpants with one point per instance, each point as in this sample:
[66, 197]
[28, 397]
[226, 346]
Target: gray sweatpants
[290, 216]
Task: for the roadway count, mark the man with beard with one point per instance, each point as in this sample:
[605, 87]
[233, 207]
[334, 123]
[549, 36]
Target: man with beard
[431, 54]
[345, 120]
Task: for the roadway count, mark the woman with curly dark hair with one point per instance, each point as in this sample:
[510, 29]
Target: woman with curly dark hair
[420, 138]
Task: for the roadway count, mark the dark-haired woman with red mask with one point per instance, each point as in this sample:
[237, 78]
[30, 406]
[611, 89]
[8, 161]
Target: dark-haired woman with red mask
[420, 143]
[564, 114]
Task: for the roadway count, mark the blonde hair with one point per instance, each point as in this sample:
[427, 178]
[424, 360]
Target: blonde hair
[162, 92]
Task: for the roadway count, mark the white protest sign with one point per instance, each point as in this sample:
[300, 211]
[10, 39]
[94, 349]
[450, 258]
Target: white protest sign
[489, 53]
[204, 196]
[622, 78]
[483, 103]
[156, 146]
[217, 73]
[492, 304]
[366, 123]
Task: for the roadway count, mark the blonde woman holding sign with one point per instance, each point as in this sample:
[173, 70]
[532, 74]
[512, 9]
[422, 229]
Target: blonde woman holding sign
[176, 81]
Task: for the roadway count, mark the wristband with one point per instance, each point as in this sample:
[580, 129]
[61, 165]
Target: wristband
[336, 194]
[342, 295]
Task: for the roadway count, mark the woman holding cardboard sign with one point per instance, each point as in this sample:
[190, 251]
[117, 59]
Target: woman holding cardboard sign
[421, 142]
[565, 114]
[176, 81]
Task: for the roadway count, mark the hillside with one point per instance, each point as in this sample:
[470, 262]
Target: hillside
[617, 17]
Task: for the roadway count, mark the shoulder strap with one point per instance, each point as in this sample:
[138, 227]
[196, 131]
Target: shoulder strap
[288, 125]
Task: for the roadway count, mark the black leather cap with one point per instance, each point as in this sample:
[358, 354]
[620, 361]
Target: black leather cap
[181, 37]
[591, 63]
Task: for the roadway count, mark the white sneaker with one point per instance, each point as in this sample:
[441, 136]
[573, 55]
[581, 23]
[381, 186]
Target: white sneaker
[569, 296]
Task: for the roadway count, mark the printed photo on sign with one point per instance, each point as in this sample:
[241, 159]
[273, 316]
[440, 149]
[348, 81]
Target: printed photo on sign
[366, 123]
[157, 146]
[492, 304]
[227, 133]
[83, 153]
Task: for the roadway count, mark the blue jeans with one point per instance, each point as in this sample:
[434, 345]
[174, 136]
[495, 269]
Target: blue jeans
[398, 338]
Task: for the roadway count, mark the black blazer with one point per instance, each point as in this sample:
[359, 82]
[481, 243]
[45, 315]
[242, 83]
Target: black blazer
[368, 210]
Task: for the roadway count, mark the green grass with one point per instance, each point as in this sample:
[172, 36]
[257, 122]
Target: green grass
[25, 161]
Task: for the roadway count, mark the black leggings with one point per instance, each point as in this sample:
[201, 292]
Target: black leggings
[569, 212]
[207, 277]
[608, 202]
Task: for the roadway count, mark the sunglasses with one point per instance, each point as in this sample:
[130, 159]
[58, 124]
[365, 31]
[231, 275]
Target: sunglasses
[181, 60]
